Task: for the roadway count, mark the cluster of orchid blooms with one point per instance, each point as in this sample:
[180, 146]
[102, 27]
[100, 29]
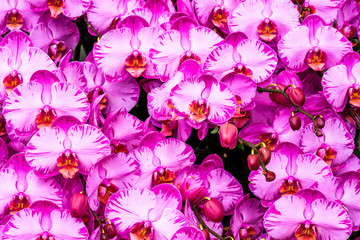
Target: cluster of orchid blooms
[280, 77]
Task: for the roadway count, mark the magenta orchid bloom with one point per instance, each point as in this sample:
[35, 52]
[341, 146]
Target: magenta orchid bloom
[240, 55]
[294, 171]
[247, 221]
[264, 19]
[17, 15]
[307, 215]
[203, 100]
[55, 36]
[342, 82]
[314, 45]
[183, 42]
[215, 12]
[130, 43]
[66, 147]
[105, 14]
[19, 60]
[70, 8]
[327, 10]
[335, 146]
[348, 18]
[109, 175]
[23, 187]
[139, 213]
[43, 99]
[44, 221]
[160, 159]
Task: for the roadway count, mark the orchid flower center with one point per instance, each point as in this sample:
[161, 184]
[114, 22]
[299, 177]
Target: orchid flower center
[327, 153]
[45, 118]
[135, 64]
[267, 30]
[189, 55]
[11, 81]
[2, 125]
[220, 17]
[306, 232]
[241, 69]
[56, 7]
[141, 231]
[167, 127]
[18, 203]
[354, 94]
[14, 20]
[269, 139]
[348, 30]
[56, 49]
[105, 190]
[68, 164]
[103, 101]
[316, 59]
[117, 147]
[289, 187]
[247, 232]
[199, 109]
[307, 10]
[163, 175]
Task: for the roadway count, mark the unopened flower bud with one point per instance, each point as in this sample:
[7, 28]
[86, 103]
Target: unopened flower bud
[213, 210]
[265, 154]
[297, 96]
[278, 97]
[270, 176]
[206, 234]
[319, 133]
[110, 230]
[78, 205]
[253, 162]
[295, 123]
[228, 134]
[103, 236]
[320, 122]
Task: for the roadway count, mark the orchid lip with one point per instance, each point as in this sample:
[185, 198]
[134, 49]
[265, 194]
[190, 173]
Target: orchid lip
[135, 64]
[220, 17]
[56, 7]
[14, 20]
[12, 80]
[316, 59]
[199, 109]
[68, 164]
[267, 30]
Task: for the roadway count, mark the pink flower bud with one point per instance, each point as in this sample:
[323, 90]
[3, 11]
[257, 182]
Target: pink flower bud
[297, 96]
[253, 162]
[265, 155]
[278, 97]
[78, 205]
[320, 122]
[319, 133]
[270, 176]
[206, 234]
[295, 123]
[228, 133]
[213, 210]
[110, 230]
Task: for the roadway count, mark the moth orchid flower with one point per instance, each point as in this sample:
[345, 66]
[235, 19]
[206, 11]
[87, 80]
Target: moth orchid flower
[104, 15]
[294, 171]
[55, 36]
[23, 187]
[108, 176]
[183, 42]
[347, 18]
[342, 82]
[70, 8]
[34, 105]
[327, 10]
[19, 60]
[44, 221]
[314, 45]
[240, 55]
[130, 43]
[160, 159]
[264, 19]
[307, 215]
[67, 147]
[139, 213]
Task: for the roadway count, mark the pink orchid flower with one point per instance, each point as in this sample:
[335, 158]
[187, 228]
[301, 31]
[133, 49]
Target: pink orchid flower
[264, 19]
[66, 147]
[139, 213]
[314, 45]
[44, 221]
